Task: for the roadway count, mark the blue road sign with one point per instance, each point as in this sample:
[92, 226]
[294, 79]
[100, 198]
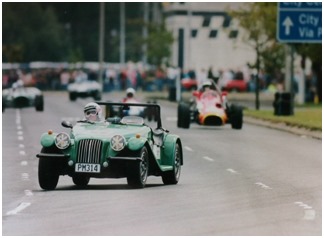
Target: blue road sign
[299, 22]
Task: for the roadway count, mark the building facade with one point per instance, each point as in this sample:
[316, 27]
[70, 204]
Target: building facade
[206, 36]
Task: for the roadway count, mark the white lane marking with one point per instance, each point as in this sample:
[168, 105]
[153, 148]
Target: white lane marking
[172, 119]
[25, 176]
[24, 163]
[21, 207]
[20, 138]
[20, 133]
[263, 185]
[309, 213]
[232, 171]
[188, 148]
[301, 204]
[19, 127]
[208, 158]
[21, 146]
[22, 152]
[28, 193]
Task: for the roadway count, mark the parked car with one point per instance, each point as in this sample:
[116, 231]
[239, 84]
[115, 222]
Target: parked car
[210, 108]
[235, 85]
[189, 84]
[83, 88]
[112, 148]
[19, 96]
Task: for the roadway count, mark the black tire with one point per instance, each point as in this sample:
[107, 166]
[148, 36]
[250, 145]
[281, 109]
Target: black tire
[39, 103]
[183, 115]
[97, 96]
[72, 96]
[48, 175]
[236, 117]
[137, 171]
[80, 180]
[173, 176]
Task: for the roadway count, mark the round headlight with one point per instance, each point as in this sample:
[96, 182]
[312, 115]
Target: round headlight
[62, 140]
[117, 142]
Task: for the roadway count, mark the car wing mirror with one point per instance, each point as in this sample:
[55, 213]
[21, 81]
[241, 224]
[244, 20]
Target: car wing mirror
[67, 124]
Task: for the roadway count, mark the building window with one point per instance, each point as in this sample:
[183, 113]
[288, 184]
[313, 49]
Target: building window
[206, 22]
[213, 34]
[233, 34]
[194, 33]
[227, 21]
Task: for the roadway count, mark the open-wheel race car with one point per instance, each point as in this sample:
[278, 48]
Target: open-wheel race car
[19, 96]
[115, 147]
[209, 107]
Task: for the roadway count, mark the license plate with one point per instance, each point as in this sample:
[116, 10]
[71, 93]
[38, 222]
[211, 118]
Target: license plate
[87, 168]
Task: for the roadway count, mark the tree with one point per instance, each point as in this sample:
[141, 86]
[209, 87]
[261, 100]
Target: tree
[30, 33]
[259, 23]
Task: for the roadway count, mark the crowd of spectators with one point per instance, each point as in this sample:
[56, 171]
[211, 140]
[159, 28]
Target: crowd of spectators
[152, 79]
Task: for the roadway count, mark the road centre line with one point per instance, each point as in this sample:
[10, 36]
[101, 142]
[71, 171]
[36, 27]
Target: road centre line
[21, 207]
[263, 185]
[208, 158]
[232, 171]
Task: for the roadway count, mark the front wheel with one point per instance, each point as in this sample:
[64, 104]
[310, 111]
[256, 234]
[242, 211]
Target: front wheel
[48, 175]
[80, 180]
[137, 171]
[39, 103]
[236, 117]
[173, 176]
[183, 115]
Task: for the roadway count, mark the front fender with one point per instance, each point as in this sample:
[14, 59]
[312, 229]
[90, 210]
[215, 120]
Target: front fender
[167, 155]
[136, 143]
[47, 140]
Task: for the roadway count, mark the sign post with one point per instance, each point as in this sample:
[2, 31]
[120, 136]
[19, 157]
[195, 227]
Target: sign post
[298, 22]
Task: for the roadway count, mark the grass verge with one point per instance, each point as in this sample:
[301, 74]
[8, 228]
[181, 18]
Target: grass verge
[306, 117]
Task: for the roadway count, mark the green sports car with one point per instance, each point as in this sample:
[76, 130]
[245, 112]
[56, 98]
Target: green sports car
[116, 147]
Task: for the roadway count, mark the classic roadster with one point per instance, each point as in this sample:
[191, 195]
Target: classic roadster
[114, 148]
[20, 97]
[209, 108]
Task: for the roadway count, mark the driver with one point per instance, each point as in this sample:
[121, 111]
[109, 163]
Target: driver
[206, 86]
[130, 95]
[92, 112]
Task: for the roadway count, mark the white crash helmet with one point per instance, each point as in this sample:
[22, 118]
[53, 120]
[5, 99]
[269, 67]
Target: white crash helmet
[206, 84]
[92, 112]
[130, 92]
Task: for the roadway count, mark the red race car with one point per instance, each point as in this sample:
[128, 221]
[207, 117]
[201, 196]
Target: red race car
[209, 107]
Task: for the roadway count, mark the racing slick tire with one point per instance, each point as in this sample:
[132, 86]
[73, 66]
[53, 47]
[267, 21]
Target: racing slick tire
[137, 171]
[183, 115]
[48, 176]
[39, 103]
[80, 180]
[72, 96]
[3, 105]
[97, 96]
[236, 116]
[173, 176]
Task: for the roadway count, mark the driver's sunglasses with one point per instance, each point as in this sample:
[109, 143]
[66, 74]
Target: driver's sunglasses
[88, 113]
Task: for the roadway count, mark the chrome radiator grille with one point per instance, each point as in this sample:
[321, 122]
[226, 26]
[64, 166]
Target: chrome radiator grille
[89, 151]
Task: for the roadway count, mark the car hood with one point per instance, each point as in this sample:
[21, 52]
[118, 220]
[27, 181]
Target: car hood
[104, 131]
